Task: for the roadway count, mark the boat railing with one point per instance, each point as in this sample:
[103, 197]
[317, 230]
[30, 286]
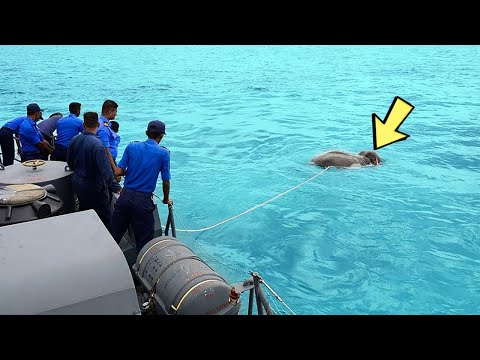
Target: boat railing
[170, 222]
[256, 295]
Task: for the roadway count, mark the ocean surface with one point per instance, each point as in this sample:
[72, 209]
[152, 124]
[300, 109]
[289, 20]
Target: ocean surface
[243, 122]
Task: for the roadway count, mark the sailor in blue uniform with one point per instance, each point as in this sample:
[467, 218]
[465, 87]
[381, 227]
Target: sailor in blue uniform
[93, 180]
[67, 128]
[105, 132]
[34, 146]
[141, 163]
[48, 126]
[6, 139]
[115, 126]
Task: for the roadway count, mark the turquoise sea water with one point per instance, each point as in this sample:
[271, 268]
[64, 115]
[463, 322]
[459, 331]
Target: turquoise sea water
[242, 125]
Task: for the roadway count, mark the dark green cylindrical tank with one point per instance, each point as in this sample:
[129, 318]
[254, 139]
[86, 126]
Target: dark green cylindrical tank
[180, 283]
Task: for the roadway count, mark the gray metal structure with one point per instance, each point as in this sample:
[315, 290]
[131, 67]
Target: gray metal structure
[67, 264]
[52, 172]
[13, 212]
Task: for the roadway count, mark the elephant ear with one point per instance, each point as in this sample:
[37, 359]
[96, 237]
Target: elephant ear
[372, 155]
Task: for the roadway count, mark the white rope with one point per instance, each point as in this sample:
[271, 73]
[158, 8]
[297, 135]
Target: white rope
[240, 271]
[255, 207]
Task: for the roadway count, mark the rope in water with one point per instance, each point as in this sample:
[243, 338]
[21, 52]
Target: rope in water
[253, 208]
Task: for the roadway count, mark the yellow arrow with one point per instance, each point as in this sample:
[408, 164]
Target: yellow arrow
[386, 132]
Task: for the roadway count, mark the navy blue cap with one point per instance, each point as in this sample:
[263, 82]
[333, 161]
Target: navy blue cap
[33, 108]
[156, 125]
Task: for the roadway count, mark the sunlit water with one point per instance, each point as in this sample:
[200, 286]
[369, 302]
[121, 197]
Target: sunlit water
[242, 125]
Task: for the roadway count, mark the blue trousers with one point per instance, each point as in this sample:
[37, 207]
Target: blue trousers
[136, 209]
[59, 153]
[33, 156]
[7, 145]
[90, 198]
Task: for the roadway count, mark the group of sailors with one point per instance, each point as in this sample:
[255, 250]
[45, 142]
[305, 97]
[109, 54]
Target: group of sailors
[35, 136]
[90, 148]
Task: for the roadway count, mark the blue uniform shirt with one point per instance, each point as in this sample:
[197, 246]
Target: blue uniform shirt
[67, 128]
[30, 135]
[107, 135]
[15, 124]
[117, 141]
[143, 162]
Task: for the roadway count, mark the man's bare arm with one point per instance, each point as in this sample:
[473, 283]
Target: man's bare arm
[45, 146]
[118, 171]
[166, 192]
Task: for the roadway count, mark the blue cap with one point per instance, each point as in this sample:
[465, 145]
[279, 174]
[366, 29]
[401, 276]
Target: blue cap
[33, 108]
[156, 125]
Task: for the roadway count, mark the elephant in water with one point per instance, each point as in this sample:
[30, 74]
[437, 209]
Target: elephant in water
[343, 159]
